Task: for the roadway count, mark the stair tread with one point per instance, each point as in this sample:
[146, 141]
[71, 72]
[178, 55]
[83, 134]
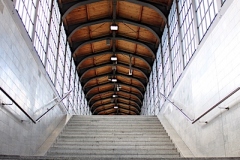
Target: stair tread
[114, 137]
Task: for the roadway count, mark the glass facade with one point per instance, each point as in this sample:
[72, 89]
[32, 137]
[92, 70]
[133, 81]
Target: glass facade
[188, 23]
[42, 21]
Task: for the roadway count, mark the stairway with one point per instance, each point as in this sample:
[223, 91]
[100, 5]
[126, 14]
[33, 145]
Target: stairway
[114, 137]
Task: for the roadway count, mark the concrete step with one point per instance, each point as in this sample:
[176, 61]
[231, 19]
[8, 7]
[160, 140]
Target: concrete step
[114, 127]
[65, 135]
[71, 151]
[111, 146]
[111, 157]
[115, 143]
[69, 128]
[114, 117]
[114, 123]
[116, 157]
[135, 122]
[114, 137]
[126, 139]
[70, 132]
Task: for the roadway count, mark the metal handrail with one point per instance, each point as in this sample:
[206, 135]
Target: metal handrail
[37, 120]
[67, 94]
[17, 105]
[177, 107]
[222, 100]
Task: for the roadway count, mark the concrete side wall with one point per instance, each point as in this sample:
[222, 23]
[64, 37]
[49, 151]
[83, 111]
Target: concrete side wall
[23, 77]
[213, 73]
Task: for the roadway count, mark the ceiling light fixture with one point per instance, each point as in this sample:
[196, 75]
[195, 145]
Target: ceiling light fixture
[114, 96]
[115, 107]
[114, 27]
[113, 58]
[114, 80]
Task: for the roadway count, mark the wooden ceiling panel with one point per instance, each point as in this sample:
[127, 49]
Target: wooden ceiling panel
[99, 10]
[89, 74]
[147, 36]
[101, 71]
[130, 90]
[101, 29]
[84, 50]
[126, 46]
[129, 10]
[125, 71]
[81, 35]
[102, 58]
[139, 63]
[129, 81]
[101, 102]
[101, 96]
[100, 46]
[94, 72]
[87, 63]
[141, 50]
[101, 89]
[77, 15]
[151, 17]
[128, 30]
[94, 82]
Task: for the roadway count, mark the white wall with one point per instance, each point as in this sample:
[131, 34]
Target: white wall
[213, 73]
[23, 77]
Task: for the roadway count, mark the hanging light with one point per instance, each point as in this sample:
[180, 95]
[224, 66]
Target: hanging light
[113, 58]
[114, 80]
[114, 27]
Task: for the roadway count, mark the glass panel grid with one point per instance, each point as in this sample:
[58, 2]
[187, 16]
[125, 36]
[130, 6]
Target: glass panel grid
[27, 10]
[176, 53]
[206, 12]
[166, 62]
[187, 29]
[42, 27]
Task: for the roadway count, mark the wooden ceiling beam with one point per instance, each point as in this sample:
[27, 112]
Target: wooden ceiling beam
[118, 74]
[92, 107]
[121, 84]
[112, 92]
[137, 112]
[120, 109]
[67, 8]
[155, 30]
[151, 47]
[148, 62]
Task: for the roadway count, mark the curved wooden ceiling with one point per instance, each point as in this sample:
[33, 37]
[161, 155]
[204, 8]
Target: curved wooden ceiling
[140, 25]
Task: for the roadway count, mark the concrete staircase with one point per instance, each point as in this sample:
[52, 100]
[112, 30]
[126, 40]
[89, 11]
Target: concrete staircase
[113, 137]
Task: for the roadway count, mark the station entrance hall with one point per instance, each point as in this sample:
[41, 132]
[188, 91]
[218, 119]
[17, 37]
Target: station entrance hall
[119, 79]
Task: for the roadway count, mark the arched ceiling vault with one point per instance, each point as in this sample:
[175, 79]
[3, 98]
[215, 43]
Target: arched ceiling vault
[114, 65]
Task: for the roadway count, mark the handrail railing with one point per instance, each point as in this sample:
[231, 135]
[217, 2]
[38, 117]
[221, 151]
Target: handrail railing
[222, 100]
[37, 120]
[67, 94]
[17, 105]
[177, 107]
